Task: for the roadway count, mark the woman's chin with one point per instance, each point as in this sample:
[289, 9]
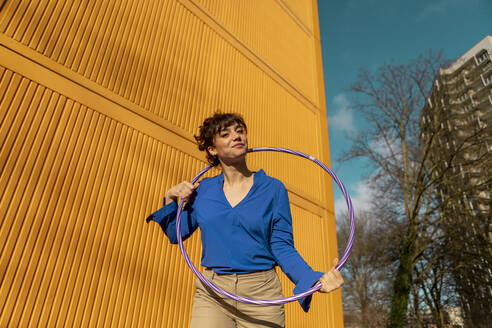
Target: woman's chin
[237, 159]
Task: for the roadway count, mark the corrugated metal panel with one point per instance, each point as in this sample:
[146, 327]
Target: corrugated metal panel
[141, 50]
[79, 174]
[306, 225]
[258, 23]
[77, 187]
[303, 10]
[181, 59]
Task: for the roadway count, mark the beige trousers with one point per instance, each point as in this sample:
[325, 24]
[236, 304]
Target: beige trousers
[212, 310]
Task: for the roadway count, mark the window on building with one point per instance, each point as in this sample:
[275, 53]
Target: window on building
[482, 57]
[488, 79]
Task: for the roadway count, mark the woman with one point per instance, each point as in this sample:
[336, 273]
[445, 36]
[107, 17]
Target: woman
[246, 230]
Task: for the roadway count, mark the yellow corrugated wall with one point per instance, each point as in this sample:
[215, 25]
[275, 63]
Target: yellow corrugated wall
[99, 101]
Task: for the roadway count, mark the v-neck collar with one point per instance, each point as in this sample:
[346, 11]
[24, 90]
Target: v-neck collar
[256, 178]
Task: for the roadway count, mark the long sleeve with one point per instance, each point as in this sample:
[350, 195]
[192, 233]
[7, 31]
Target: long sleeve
[282, 245]
[166, 218]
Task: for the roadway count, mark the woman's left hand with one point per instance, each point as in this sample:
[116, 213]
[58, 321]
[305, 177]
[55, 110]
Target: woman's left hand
[332, 279]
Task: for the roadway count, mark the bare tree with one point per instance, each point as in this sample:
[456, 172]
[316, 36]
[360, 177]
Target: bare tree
[410, 171]
[461, 155]
[433, 287]
[391, 101]
[366, 289]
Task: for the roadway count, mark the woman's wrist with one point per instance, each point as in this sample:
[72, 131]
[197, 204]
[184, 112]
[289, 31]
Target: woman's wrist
[170, 199]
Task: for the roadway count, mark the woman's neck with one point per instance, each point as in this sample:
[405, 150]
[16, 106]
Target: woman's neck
[235, 173]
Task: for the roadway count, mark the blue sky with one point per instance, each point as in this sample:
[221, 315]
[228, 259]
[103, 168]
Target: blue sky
[369, 33]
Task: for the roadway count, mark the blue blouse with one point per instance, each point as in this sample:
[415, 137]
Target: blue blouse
[254, 235]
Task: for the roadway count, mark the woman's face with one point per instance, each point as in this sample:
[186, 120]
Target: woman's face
[230, 144]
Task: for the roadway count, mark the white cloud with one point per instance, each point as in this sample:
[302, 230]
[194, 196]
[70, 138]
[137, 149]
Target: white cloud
[440, 7]
[389, 149]
[432, 9]
[343, 118]
[386, 147]
[361, 198]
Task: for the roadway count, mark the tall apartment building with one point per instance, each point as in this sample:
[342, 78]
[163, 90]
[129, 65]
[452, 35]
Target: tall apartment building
[458, 114]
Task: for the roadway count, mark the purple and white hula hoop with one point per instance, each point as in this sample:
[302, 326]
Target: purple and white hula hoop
[281, 300]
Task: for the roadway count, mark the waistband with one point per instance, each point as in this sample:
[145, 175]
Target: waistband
[253, 274]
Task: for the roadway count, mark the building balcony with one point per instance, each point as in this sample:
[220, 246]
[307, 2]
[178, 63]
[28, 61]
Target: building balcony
[475, 174]
[482, 92]
[484, 112]
[482, 57]
[475, 83]
[487, 79]
[478, 68]
[462, 100]
[458, 88]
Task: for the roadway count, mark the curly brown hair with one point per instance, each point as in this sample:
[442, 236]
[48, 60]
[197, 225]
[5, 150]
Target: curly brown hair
[212, 125]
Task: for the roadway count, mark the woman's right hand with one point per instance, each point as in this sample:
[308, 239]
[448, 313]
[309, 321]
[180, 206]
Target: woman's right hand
[332, 279]
[183, 190]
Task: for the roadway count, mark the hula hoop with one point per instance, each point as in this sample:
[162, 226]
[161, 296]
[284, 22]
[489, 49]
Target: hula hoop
[281, 300]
